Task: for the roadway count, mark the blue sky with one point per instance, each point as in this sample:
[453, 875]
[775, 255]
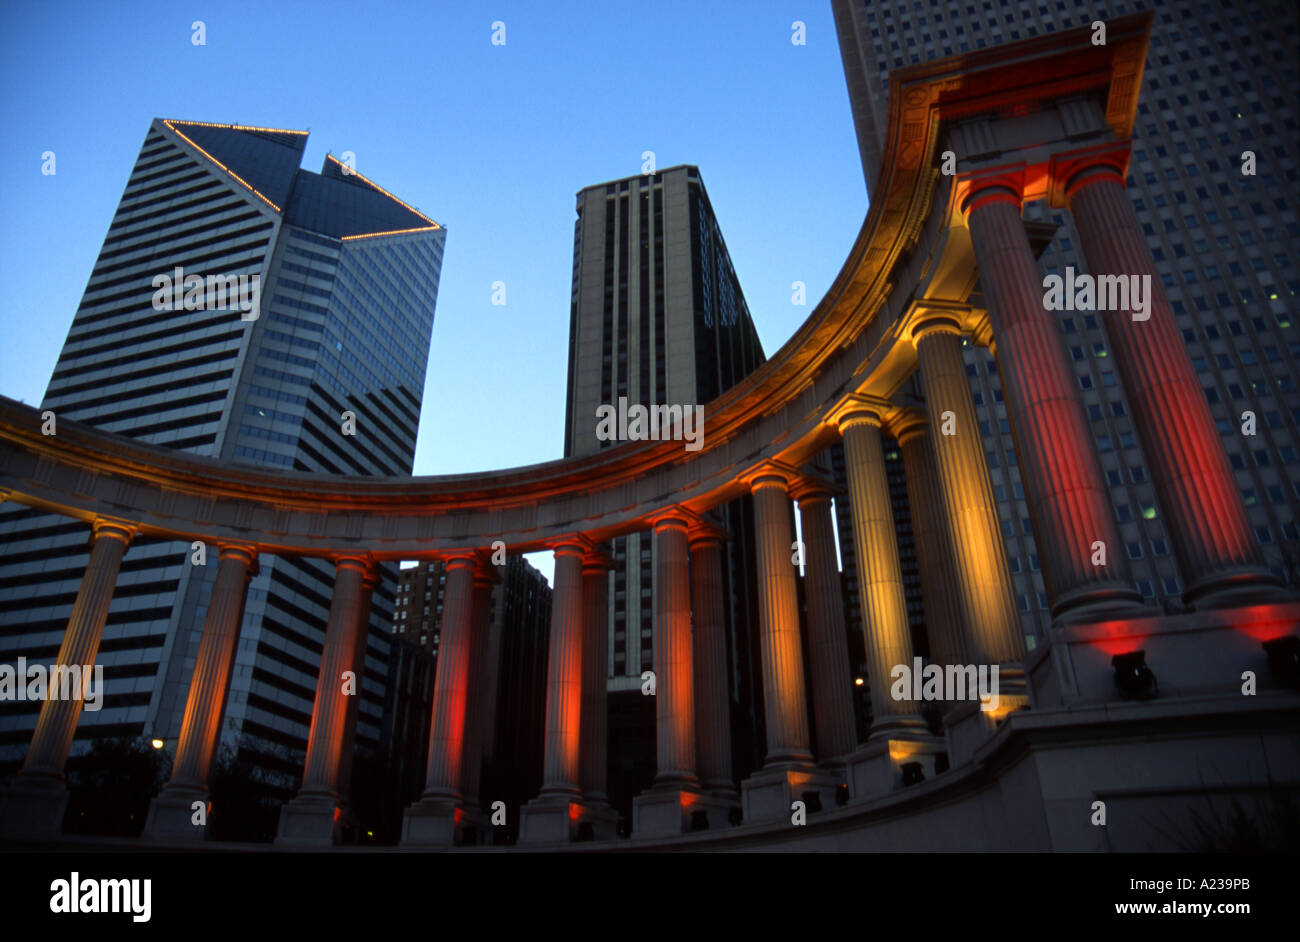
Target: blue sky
[491, 141]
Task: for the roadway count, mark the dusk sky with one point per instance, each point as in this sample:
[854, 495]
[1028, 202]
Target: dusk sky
[491, 141]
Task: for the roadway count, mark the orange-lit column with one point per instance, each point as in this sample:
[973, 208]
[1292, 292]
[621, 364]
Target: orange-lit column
[595, 676]
[1207, 521]
[561, 765]
[945, 620]
[478, 710]
[983, 581]
[311, 816]
[451, 682]
[828, 650]
[171, 813]
[709, 658]
[38, 795]
[674, 673]
[1068, 503]
[880, 574]
[784, 706]
[369, 580]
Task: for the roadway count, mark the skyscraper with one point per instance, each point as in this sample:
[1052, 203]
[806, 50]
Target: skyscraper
[658, 317]
[1219, 93]
[244, 309]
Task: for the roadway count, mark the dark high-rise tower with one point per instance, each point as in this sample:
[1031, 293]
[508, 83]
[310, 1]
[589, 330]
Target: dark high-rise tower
[312, 356]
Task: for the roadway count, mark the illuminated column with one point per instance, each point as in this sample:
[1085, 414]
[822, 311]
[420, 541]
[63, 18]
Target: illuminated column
[827, 635]
[171, 813]
[479, 688]
[311, 816]
[369, 580]
[709, 658]
[39, 795]
[1068, 501]
[595, 675]
[674, 674]
[945, 620]
[451, 683]
[880, 576]
[983, 581]
[564, 677]
[783, 689]
[1207, 521]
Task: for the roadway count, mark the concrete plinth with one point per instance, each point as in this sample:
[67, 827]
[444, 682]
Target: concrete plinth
[171, 816]
[310, 820]
[876, 769]
[433, 822]
[602, 818]
[969, 727]
[768, 794]
[549, 820]
[672, 811]
[33, 808]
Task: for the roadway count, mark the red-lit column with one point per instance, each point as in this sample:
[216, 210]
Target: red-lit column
[561, 765]
[945, 620]
[983, 580]
[479, 688]
[784, 705]
[828, 652]
[1068, 503]
[880, 575]
[709, 657]
[171, 813]
[595, 677]
[1207, 521]
[369, 580]
[312, 815]
[39, 795]
[451, 682]
[674, 673]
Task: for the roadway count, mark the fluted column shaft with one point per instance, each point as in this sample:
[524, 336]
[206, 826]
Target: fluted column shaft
[210, 682]
[784, 706]
[827, 634]
[595, 677]
[562, 766]
[712, 703]
[369, 580]
[983, 580]
[1068, 503]
[478, 687]
[451, 682]
[674, 696]
[1207, 521]
[330, 710]
[945, 618]
[56, 725]
[880, 577]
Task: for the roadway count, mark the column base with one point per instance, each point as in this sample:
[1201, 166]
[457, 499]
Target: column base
[602, 818]
[1238, 588]
[1114, 601]
[769, 793]
[171, 815]
[886, 765]
[969, 727]
[311, 819]
[436, 822]
[550, 819]
[678, 811]
[34, 807]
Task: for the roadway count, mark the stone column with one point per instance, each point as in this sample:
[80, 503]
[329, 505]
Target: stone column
[674, 673]
[982, 578]
[478, 709]
[347, 753]
[595, 680]
[709, 658]
[311, 817]
[38, 796]
[550, 816]
[1207, 522]
[1068, 502]
[171, 814]
[880, 576]
[945, 620]
[436, 817]
[827, 635]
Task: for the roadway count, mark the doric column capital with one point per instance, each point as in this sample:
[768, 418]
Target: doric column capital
[485, 573]
[459, 559]
[1071, 171]
[994, 184]
[705, 532]
[925, 316]
[115, 529]
[597, 560]
[810, 488]
[859, 409]
[906, 424]
[244, 551]
[675, 516]
[769, 473]
[574, 544]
